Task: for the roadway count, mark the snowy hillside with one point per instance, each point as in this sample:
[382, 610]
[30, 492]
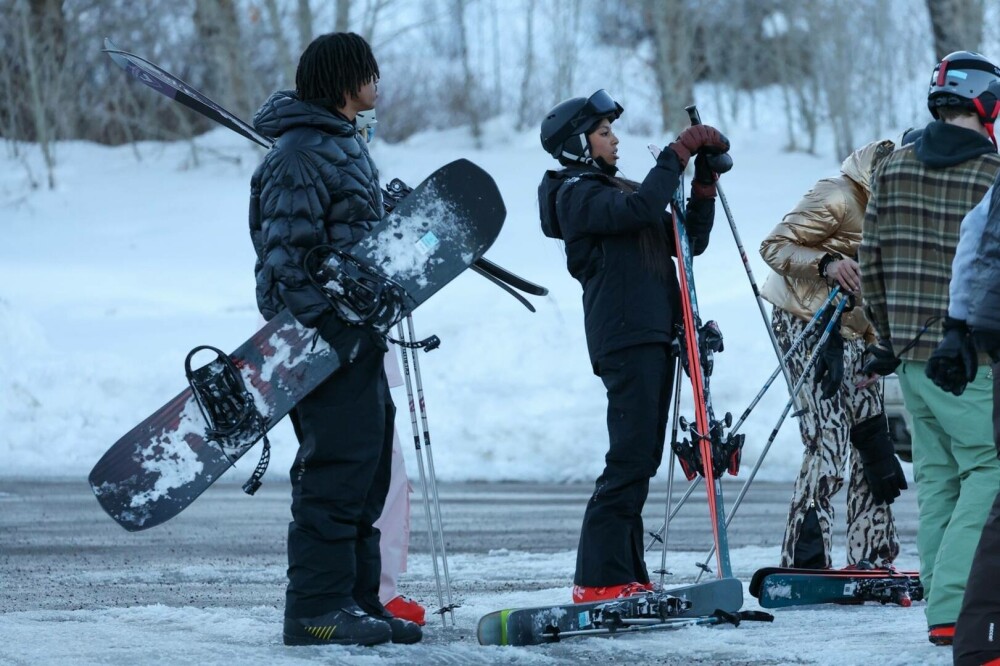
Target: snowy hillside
[142, 253]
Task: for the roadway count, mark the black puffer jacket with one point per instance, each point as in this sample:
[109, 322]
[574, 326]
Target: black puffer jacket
[317, 185]
[624, 302]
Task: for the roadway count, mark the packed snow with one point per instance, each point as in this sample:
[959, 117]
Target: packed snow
[142, 253]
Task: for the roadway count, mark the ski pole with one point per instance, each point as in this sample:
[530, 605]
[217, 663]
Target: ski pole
[695, 117]
[420, 467]
[813, 358]
[432, 476]
[670, 475]
[799, 340]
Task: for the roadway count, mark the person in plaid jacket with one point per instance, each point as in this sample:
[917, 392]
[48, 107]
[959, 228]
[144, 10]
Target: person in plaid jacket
[909, 238]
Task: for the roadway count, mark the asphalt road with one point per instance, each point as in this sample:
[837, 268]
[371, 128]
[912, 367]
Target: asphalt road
[58, 550]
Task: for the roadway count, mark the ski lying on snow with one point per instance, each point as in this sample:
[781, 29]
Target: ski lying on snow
[711, 602]
[778, 587]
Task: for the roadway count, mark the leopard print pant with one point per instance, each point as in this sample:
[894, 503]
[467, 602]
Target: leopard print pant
[825, 431]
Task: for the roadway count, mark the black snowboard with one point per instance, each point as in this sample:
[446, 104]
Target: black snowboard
[777, 587]
[163, 464]
[680, 606]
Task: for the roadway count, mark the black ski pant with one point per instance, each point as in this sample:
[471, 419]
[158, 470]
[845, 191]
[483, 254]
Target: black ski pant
[977, 631]
[340, 478]
[639, 381]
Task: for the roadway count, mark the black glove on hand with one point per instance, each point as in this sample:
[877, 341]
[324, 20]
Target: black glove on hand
[881, 359]
[953, 364]
[703, 185]
[830, 363]
[878, 458]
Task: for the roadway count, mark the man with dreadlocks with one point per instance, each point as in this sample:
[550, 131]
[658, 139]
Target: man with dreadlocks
[319, 186]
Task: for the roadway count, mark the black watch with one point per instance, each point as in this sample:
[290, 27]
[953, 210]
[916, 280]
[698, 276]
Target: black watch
[825, 262]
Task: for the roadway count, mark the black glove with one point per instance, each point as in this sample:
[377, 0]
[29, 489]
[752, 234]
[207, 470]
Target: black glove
[703, 185]
[953, 364]
[339, 335]
[878, 458]
[830, 364]
[881, 359]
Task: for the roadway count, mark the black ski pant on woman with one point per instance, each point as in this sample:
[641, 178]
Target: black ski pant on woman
[639, 381]
[339, 482]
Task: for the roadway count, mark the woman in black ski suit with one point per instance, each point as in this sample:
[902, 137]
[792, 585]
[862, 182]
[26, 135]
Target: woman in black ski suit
[619, 243]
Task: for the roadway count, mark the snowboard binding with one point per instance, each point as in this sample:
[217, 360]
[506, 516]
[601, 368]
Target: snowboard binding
[393, 193]
[229, 409]
[359, 294]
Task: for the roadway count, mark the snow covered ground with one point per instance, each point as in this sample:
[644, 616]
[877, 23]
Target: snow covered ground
[142, 253]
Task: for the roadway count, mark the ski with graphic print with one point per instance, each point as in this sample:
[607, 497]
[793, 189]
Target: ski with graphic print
[709, 451]
[778, 587]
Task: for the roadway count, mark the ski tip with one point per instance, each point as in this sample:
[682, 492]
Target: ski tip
[654, 149]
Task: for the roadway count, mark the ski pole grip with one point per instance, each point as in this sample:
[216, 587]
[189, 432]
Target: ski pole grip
[721, 162]
[693, 114]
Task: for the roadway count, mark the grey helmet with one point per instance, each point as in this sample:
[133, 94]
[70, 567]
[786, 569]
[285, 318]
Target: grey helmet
[565, 127]
[960, 80]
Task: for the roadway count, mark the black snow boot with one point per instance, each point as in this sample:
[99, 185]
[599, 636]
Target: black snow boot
[403, 631]
[346, 626]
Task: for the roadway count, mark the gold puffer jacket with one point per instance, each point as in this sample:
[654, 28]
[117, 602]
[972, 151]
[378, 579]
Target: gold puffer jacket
[828, 219]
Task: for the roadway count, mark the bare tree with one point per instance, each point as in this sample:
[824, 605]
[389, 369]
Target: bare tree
[342, 22]
[523, 112]
[304, 20]
[283, 49]
[469, 102]
[672, 60]
[957, 25]
[565, 52]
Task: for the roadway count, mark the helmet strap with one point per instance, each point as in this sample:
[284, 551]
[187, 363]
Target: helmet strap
[988, 119]
[583, 155]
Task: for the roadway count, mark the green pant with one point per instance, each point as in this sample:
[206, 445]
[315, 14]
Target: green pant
[958, 475]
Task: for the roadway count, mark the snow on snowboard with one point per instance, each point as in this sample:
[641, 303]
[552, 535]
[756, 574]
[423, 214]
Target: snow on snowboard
[163, 464]
[776, 587]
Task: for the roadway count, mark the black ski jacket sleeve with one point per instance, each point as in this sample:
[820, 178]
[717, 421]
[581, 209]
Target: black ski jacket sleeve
[598, 208]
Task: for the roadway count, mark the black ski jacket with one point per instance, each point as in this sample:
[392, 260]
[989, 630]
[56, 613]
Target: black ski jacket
[624, 303]
[317, 185]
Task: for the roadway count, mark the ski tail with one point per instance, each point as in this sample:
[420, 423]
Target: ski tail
[170, 86]
[512, 279]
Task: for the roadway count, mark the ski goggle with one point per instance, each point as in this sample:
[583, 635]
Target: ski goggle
[366, 123]
[601, 104]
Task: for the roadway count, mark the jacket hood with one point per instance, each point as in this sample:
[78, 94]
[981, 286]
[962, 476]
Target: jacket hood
[283, 111]
[860, 164]
[943, 145]
[549, 189]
